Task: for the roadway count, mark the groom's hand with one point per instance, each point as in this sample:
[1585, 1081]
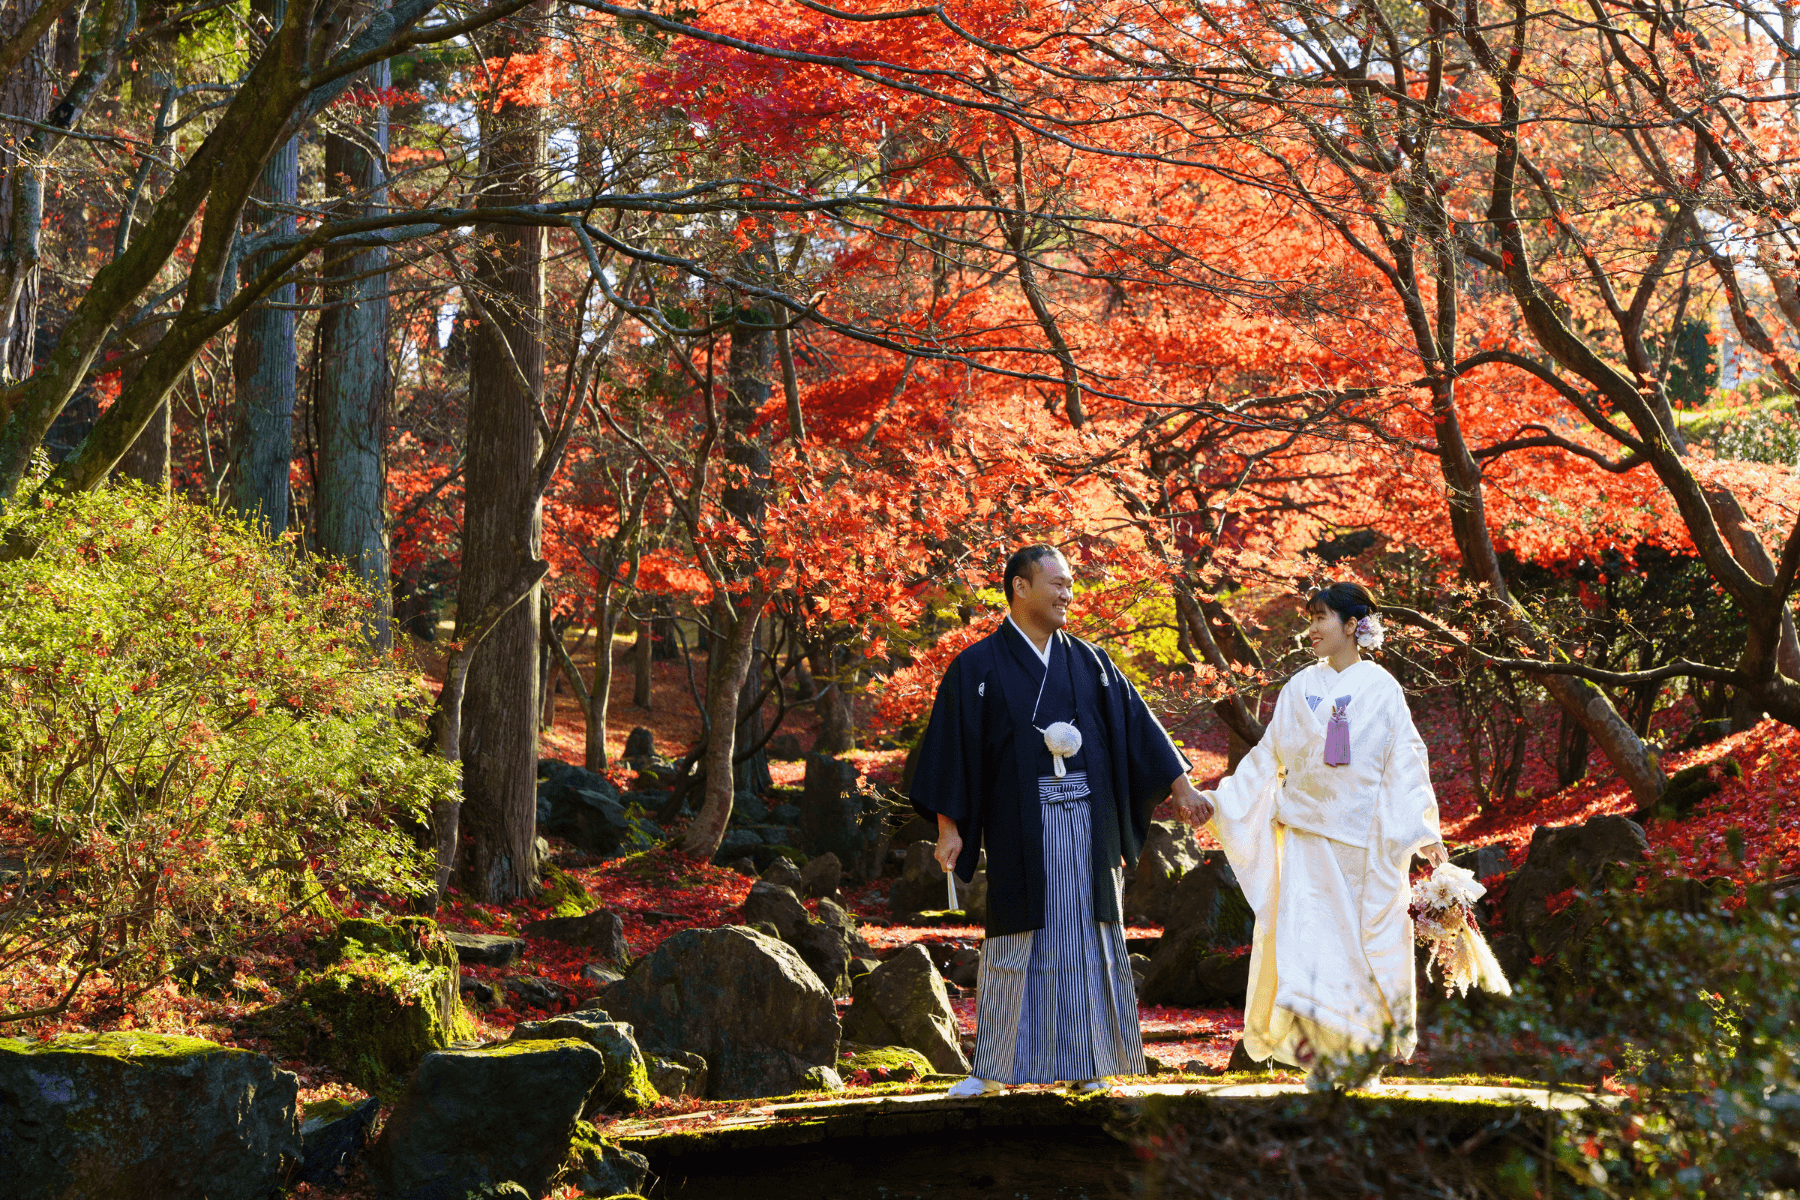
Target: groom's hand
[1190, 805]
[949, 843]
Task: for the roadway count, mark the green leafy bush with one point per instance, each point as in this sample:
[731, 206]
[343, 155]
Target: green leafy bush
[195, 741]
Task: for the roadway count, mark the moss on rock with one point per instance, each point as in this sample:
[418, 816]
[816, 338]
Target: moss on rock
[386, 997]
[626, 1086]
[565, 895]
[888, 1059]
[130, 1115]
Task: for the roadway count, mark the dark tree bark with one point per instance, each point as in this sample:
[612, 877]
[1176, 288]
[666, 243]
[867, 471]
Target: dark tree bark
[735, 618]
[25, 91]
[641, 661]
[502, 518]
[837, 719]
[148, 459]
[355, 382]
[265, 357]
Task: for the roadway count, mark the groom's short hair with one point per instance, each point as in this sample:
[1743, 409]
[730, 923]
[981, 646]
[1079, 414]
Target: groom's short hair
[1022, 564]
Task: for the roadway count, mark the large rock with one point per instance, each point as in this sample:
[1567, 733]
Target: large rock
[677, 1074]
[783, 872]
[602, 1169]
[585, 808]
[777, 905]
[903, 1003]
[469, 1119]
[740, 843]
[333, 1135]
[625, 1085]
[1206, 914]
[132, 1115]
[386, 997]
[1484, 861]
[485, 949]
[600, 930]
[827, 949]
[920, 887]
[823, 875]
[1170, 852]
[831, 809]
[1569, 856]
[825, 944]
[746, 1003]
[639, 743]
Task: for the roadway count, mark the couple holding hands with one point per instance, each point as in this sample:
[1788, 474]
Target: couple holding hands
[1040, 750]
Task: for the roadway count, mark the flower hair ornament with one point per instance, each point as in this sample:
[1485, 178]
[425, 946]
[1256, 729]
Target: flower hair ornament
[1369, 634]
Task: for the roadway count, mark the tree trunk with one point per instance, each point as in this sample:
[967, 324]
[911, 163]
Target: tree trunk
[265, 358]
[1634, 761]
[502, 517]
[600, 699]
[25, 91]
[354, 382]
[837, 719]
[1571, 750]
[750, 771]
[148, 459]
[728, 662]
[446, 719]
[642, 655]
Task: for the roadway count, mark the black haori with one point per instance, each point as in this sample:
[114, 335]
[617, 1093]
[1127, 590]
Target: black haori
[982, 757]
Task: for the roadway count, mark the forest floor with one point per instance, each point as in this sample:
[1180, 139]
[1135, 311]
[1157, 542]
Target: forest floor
[659, 892]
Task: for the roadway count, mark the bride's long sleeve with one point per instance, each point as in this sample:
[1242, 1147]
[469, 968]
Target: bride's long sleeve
[1244, 809]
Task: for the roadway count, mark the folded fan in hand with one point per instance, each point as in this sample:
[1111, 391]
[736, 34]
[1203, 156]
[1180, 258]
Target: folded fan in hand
[1443, 916]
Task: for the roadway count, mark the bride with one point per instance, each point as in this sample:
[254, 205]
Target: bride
[1320, 822]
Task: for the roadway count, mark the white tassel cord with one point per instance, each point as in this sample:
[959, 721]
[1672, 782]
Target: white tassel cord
[1063, 740]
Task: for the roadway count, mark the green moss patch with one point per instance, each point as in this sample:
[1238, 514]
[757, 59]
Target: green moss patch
[883, 1063]
[386, 997]
[566, 896]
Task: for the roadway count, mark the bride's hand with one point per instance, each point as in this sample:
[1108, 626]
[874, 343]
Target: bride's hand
[1192, 806]
[1435, 854]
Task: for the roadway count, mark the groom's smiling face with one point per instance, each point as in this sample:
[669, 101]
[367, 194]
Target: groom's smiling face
[1042, 596]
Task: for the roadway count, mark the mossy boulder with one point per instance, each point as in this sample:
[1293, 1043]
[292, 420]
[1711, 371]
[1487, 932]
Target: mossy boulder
[129, 1115]
[333, 1135]
[507, 1113]
[884, 1063]
[385, 998]
[625, 1087]
[565, 895]
[607, 1171]
[903, 1003]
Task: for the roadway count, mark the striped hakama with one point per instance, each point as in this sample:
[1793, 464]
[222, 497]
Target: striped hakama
[1057, 1004]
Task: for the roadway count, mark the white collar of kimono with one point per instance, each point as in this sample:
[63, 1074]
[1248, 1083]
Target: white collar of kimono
[1044, 654]
[1331, 673]
[1329, 681]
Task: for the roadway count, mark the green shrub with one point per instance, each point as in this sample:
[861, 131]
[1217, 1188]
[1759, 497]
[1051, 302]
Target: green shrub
[196, 735]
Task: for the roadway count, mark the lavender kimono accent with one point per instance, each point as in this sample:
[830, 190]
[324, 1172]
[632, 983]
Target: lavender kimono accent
[1337, 735]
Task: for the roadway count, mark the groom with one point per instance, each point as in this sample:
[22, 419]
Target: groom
[1056, 1002]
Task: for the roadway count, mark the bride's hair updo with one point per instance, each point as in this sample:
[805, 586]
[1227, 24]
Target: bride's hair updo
[1349, 601]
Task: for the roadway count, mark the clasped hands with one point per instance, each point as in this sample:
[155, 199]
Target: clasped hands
[1191, 805]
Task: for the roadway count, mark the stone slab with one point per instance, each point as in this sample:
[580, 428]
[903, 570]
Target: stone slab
[812, 1122]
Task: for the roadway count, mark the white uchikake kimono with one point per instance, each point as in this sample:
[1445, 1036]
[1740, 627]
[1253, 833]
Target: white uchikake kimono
[1322, 853]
